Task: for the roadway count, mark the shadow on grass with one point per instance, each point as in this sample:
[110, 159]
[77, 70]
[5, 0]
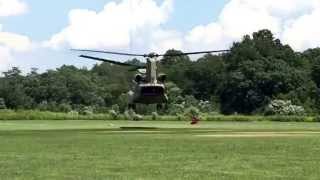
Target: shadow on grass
[139, 128]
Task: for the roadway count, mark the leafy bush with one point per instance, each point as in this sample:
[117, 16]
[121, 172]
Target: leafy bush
[205, 106]
[114, 115]
[316, 119]
[116, 108]
[101, 109]
[133, 116]
[43, 106]
[155, 116]
[190, 101]
[54, 107]
[87, 111]
[64, 107]
[128, 115]
[175, 109]
[73, 113]
[180, 117]
[192, 112]
[281, 107]
[137, 117]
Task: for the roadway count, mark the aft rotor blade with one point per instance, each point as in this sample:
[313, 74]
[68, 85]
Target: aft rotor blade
[194, 53]
[110, 52]
[112, 62]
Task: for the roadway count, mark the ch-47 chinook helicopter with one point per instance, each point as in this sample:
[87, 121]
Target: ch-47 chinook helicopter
[149, 83]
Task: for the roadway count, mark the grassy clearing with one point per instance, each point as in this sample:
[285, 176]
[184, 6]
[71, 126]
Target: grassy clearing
[160, 150]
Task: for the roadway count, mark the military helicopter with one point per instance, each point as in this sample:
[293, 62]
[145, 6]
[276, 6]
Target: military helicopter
[149, 85]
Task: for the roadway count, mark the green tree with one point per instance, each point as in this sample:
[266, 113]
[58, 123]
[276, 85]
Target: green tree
[205, 75]
[176, 68]
[13, 90]
[2, 104]
[255, 74]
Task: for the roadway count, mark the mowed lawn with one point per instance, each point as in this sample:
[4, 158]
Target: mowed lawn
[158, 150]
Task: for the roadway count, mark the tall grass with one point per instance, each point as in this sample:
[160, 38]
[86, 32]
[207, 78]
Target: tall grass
[40, 115]
[242, 118]
[44, 115]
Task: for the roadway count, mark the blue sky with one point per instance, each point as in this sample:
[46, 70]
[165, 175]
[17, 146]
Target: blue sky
[39, 34]
[45, 18]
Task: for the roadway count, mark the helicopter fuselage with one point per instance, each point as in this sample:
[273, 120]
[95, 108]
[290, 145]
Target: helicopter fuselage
[149, 94]
[149, 88]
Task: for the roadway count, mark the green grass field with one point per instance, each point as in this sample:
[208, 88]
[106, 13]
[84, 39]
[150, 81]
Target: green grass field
[158, 150]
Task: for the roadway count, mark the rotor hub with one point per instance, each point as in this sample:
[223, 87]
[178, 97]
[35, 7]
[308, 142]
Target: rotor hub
[151, 55]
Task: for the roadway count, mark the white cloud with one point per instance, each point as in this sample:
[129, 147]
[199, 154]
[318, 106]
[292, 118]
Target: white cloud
[210, 36]
[12, 7]
[293, 21]
[11, 43]
[15, 42]
[164, 40]
[114, 27]
[240, 17]
[304, 32]
[138, 23]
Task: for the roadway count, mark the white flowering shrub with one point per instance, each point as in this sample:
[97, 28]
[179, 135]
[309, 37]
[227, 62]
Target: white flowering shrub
[133, 116]
[205, 106]
[73, 113]
[114, 114]
[116, 108]
[282, 107]
[87, 111]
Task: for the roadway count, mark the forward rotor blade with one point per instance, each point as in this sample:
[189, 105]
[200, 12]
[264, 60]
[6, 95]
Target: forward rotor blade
[110, 52]
[152, 55]
[112, 62]
[194, 53]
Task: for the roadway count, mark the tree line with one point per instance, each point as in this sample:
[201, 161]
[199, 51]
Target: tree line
[257, 72]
